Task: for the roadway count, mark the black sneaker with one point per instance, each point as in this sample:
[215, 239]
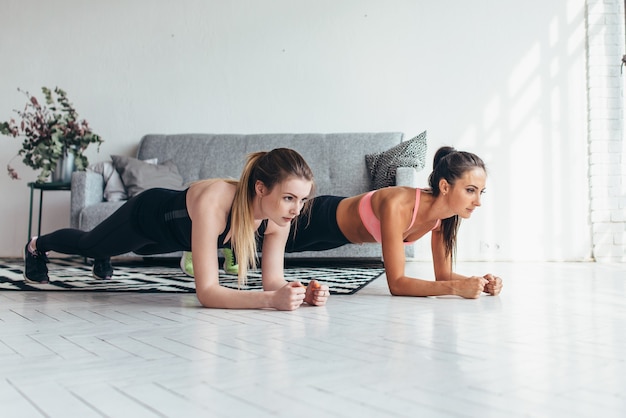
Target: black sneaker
[35, 268]
[102, 269]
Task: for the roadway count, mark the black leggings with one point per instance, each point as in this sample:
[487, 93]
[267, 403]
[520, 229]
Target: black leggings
[122, 232]
[317, 230]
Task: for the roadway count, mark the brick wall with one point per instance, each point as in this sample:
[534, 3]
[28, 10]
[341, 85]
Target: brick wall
[607, 161]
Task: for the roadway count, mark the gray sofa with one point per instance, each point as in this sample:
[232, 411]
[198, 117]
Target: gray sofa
[337, 161]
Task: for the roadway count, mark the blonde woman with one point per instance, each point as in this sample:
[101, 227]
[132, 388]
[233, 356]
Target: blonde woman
[210, 214]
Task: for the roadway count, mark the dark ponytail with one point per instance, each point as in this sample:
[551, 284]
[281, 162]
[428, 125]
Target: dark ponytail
[450, 164]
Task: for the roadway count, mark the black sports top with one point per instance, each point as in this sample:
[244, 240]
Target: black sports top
[162, 215]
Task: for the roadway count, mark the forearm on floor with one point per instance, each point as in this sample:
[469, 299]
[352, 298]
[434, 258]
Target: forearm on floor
[221, 297]
[408, 286]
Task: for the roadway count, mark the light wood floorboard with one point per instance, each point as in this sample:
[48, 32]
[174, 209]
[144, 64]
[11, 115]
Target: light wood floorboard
[552, 344]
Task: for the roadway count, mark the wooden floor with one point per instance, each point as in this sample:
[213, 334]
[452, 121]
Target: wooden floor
[553, 344]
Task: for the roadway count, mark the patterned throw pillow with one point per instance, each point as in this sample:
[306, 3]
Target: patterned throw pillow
[383, 165]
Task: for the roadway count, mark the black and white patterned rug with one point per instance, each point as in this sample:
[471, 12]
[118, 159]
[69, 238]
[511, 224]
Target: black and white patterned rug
[154, 275]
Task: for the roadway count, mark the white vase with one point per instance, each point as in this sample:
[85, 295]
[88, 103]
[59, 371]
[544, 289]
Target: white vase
[64, 169]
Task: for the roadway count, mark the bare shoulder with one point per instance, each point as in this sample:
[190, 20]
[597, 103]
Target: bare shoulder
[209, 194]
[212, 186]
[395, 197]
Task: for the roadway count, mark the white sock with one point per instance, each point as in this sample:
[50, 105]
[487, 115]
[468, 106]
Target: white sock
[32, 248]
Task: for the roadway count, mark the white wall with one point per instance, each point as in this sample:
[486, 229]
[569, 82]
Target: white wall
[504, 79]
[607, 147]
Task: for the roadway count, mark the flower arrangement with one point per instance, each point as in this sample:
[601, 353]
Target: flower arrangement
[50, 132]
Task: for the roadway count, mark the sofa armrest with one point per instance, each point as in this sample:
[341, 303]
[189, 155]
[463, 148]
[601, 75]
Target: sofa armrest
[87, 189]
[406, 176]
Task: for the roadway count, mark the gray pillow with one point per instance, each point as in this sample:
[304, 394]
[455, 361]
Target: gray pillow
[138, 175]
[114, 189]
[382, 166]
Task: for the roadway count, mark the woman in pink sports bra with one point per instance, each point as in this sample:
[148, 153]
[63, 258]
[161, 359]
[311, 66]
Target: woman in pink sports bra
[395, 216]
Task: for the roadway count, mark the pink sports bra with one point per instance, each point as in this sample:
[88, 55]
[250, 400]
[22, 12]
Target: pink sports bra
[371, 222]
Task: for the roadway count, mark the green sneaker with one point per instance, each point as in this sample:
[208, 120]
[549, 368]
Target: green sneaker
[229, 261]
[186, 264]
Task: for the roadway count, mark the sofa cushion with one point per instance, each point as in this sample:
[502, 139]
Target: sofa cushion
[138, 175]
[382, 166]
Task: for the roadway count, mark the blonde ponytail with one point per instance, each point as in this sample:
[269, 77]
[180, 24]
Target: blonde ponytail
[243, 237]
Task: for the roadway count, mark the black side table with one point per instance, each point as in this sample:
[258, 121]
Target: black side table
[42, 187]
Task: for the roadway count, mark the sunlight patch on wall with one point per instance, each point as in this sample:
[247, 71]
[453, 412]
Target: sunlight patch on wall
[525, 71]
[527, 182]
[553, 32]
[492, 113]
